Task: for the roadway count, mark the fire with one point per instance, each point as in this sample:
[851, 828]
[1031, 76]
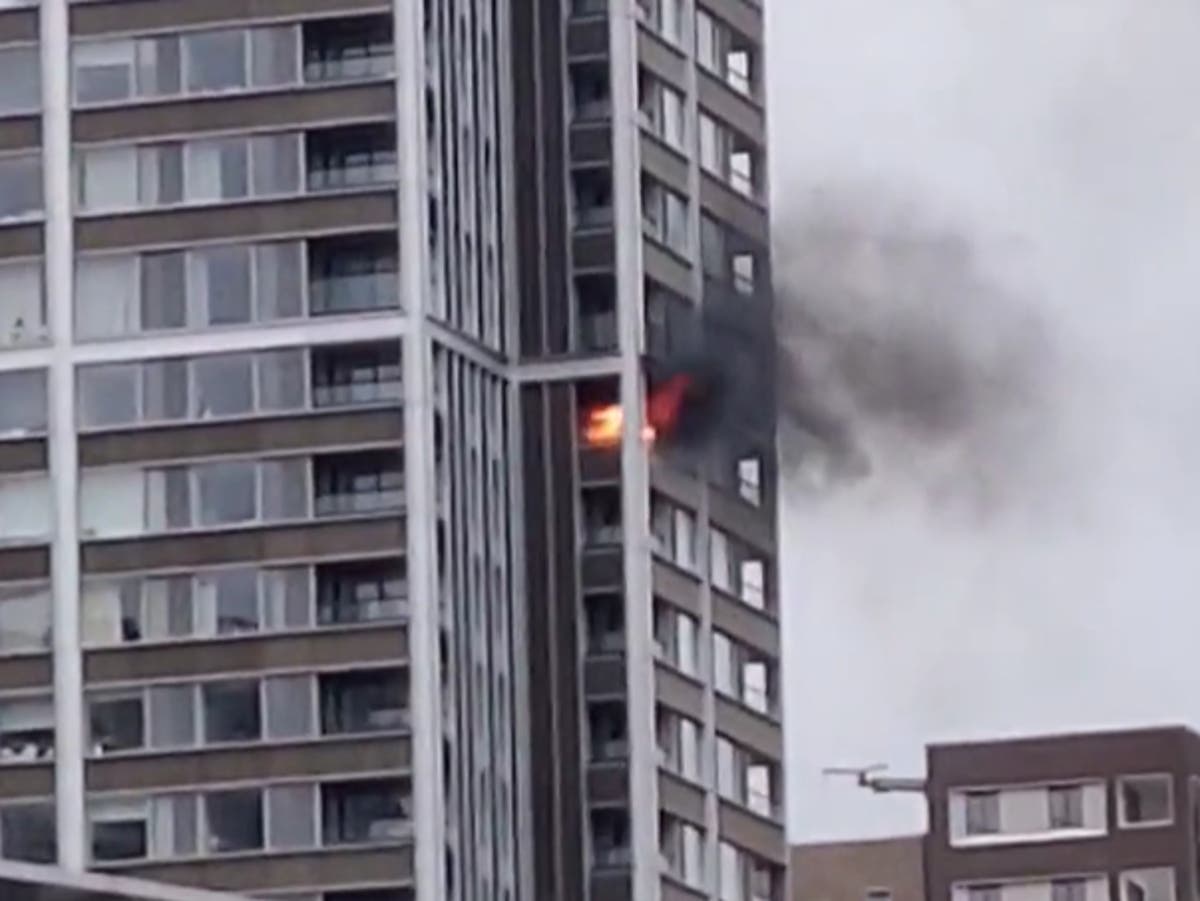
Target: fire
[604, 424]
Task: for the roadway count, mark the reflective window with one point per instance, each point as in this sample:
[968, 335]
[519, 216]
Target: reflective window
[234, 819]
[364, 811]
[22, 304]
[232, 711]
[24, 617]
[110, 179]
[202, 62]
[23, 403]
[344, 48]
[27, 832]
[21, 87]
[26, 503]
[20, 183]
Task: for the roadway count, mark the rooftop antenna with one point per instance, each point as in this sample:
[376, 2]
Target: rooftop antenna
[870, 777]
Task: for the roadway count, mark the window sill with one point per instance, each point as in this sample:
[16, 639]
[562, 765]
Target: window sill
[1026, 838]
[223, 202]
[252, 526]
[264, 745]
[260, 635]
[240, 418]
[300, 86]
[252, 854]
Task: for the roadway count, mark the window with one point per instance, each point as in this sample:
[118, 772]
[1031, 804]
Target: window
[345, 48]
[21, 87]
[663, 112]
[983, 813]
[23, 404]
[290, 706]
[353, 275]
[351, 156]
[720, 571]
[749, 480]
[172, 716]
[22, 304]
[26, 504]
[664, 216]
[26, 729]
[1068, 890]
[984, 893]
[292, 817]
[601, 516]
[235, 820]
[119, 829]
[1066, 809]
[225, 493]
[361, 592]
[364, 811]
[200, 62]
[883, 894]
[363, 482]
[1145, 800]
[665, 17]
[20, 184]
[682, 846]
[27, 832]
[117, 722]
[232, 711]
[24, 615]
[1156, 884]
[347, 375]
[365, 701]
[728, 766]
[673, 532]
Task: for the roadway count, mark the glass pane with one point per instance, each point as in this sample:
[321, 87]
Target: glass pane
[280, 277]
[103, 71]
[23, 403]
[219, 282]
[285, 489]
[27, 832]
[235, 820]
[289, 706]
[22, 303]
[226, 493]
[217, 170]
[165, 390]
[117, 723]
[232, 711]
[274, 55]
[237, 600]
[276, 164]
[172, 716]
[164, 291]
[281, 381]
[287, 598]
[106, 297]
[224, 385]
[292, 812]
[108, 395]
[20, 184]
[158, 65]
[174, 825]
[216, 60]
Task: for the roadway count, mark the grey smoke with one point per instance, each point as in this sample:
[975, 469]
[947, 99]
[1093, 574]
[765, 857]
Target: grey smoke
[1007, 193]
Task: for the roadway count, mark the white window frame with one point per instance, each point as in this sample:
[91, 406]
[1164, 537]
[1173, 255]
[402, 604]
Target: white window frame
[1124, 822]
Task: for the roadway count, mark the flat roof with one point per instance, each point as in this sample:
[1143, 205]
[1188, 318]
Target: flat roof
[35, 882]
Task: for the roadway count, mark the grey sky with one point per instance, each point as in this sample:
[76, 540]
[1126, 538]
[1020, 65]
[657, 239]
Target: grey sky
[1061, 139]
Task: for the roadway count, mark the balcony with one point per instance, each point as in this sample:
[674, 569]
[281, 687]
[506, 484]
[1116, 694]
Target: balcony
[592, 197]
[607, 732]
[365, 811]
[601, 516]
[362, 592]
[363, 701]
[349, 484]
[351, 156]
[591, 96]
[605, 624]
[353, 274]
[356, 374]
[26, 730]
[595, 296]
[610, 838]
[345, 49]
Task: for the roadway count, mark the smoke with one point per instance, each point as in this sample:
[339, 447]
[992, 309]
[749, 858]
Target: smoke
[987, 261]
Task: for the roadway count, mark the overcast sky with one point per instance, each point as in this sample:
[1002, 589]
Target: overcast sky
[1061, 138]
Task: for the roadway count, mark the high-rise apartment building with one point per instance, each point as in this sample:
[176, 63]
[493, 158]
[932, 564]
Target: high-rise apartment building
[314, 585]
[653, 641]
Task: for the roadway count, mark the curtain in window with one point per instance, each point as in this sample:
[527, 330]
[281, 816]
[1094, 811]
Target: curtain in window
[21, 317]
[173, 825]
[216, 170]
[287, 601]
[290, 706]
[101, 614]
[167, 606]
[276, 164]
[219, 284]
[172, 722]
[281, 380]
[106, 296]
[158, 67]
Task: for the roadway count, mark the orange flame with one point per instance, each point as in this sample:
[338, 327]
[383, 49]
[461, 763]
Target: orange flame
[604, 424]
